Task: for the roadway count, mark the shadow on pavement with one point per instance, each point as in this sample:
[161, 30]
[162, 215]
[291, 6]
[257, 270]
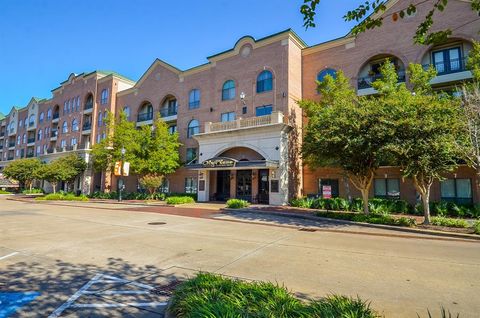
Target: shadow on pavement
[117, 289]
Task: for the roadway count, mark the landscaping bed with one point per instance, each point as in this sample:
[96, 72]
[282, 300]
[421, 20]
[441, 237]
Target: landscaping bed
[209, 295]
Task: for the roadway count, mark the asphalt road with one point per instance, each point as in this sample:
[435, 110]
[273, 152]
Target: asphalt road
[105, 261]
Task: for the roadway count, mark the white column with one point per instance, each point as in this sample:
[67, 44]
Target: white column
[203, 191]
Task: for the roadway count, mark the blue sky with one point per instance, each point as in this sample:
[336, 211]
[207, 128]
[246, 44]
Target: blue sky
[43, 41]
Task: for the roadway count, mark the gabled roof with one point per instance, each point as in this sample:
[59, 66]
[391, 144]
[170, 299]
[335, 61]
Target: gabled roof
[2, 116]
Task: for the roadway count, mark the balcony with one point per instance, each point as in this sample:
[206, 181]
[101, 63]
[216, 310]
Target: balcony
[53, 135]
[55, 117]
[86, 128]
[88, 107]
[31, 140]
[450, 71]
[31, 125]
[1, 146]
[144, 118]
[366, 82]
[2, 134]
[245, 123]
[11, 144]
[30, 154]
[169, 113]
[10, 157]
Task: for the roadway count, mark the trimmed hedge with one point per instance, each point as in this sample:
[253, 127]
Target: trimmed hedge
[139, 195]
[387, 206]
[33, 191]
[443, 221]
[372, 218]
[179, 200]
[237, 204]
[209, 295]
[63, 197]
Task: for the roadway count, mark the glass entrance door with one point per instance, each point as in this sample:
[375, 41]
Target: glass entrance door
[244, 185]
[263, 186]
[223, 185]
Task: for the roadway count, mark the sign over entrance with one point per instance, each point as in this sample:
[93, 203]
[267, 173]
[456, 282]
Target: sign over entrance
[219, 163]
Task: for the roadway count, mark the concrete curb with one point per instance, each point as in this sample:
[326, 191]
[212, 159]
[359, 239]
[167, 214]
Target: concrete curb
[311, 217]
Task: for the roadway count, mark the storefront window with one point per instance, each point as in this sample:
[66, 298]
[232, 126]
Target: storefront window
[387, 188]
[456, 190]
[190, 185]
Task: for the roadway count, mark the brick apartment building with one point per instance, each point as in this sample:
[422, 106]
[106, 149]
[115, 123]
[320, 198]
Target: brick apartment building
[237, 115]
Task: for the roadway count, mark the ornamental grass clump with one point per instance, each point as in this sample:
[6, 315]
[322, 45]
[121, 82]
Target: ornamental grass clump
[179, 200]
[209, 295]
[237, 204]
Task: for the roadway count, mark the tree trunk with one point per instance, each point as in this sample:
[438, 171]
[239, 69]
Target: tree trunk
[423, 185]
[30, 186]
[365, 200]
[54, 186]
[426, 207]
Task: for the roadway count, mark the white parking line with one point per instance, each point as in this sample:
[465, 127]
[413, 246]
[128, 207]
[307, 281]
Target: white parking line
[8, 255]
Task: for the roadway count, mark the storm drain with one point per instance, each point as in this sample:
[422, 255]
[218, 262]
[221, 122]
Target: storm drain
[157, 223]
[307, 229]
[166, 290]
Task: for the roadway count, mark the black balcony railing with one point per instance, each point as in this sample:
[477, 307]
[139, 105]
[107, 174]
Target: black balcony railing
[30, 140]
[30, 154]
[449, 66]
[2, 134]
[56, 115]
[144, 117]
[11, 144]
[366, 82]
[31, 124]
[88, 106]
[1, 146]
[168, 111]
[87, 126]
[54, 133]
[49, 150]
[10, 158]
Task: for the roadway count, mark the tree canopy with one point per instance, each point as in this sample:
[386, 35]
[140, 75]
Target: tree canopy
[368, 16]
[24, 171]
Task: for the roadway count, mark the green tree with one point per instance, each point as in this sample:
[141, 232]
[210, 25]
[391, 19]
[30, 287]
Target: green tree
[473, 61]
[24, 171]
[430, 136]
[157, 154]
[368, 16]
[63, 169]
[347, 132]
[120, 133]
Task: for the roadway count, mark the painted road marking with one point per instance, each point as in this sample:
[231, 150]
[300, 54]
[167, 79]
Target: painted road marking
[11, 301]
[102, 279]
[8, 255]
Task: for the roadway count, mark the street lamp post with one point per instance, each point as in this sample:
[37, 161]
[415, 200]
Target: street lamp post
[120, 182]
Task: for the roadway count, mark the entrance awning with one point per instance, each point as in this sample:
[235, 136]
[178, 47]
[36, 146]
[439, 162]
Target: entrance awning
[222, 163]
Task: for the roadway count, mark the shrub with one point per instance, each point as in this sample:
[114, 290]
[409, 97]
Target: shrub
[62, 196]
[356, 205]
[443, 221]
[179, 200]
[370, 218]
[209, 295]
[476, 227]
[237, 204]
[302, 203]
[32, 191]
[4, 192]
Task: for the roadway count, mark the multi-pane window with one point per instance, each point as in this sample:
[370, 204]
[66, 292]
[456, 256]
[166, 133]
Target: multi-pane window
[127, 112]
[228, 90]
[25, 123]
[20, 123]
[19, 140]
[38, 150]
[172, 129]
[41, 117]
[191, 155]
[63, 143]
[31, 120]
[75, 125]
[263, 110]
[227, 116]
[65, 107]
[24, 138]
[100, 118]
[40, 134]
[105, 116]
[73, 142]
[190, 185]
[264, 81]
[49, 114]
[104, 97]
[77, 106]
[165, 186]
[65, 127]
[194, 99]
[193, 128]
[457, 190]
[448, 60]
[387, 188]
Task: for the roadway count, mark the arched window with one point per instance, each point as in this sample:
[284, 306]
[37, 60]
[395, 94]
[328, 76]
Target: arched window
[12, 126]
[31, 120]
[193, 128]
[25, 123]
[49, 114]
[65, 127]
[100, 118]
[146, 112]
[19, 140]
[264, 82]
[20, 123]
[228, 90]
[328, 71]
[24, 138]
[104, 97]
[194, 99]
[89, 102]
[40, 134]
[75, 125]
[78, 104]
[41, 117]
[127, 112]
